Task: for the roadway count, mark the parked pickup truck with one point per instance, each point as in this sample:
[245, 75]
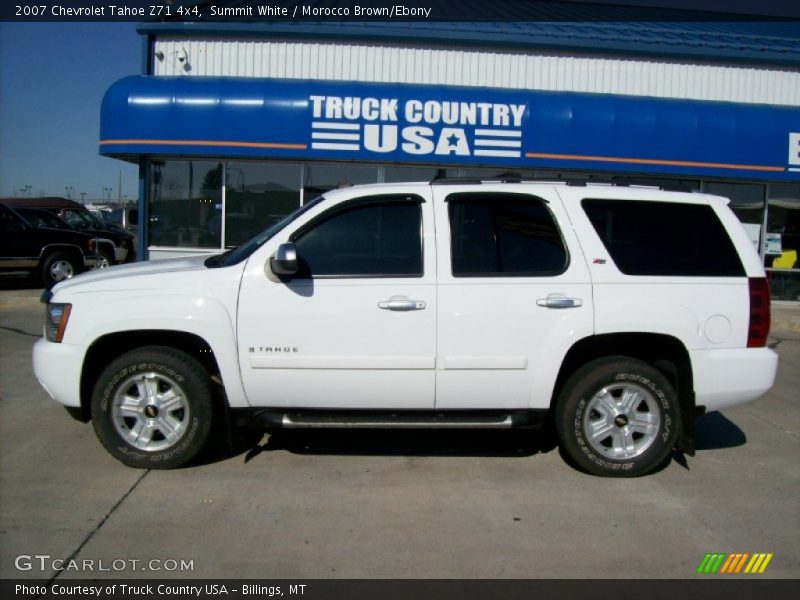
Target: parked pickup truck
[615, 314]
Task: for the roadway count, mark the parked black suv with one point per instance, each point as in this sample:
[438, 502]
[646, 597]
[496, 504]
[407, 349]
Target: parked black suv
[48, 253]
[114, 244]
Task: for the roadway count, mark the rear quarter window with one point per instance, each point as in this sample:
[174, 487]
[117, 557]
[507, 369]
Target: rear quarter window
[664, 238]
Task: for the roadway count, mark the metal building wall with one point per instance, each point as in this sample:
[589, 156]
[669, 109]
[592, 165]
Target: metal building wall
[501, 69]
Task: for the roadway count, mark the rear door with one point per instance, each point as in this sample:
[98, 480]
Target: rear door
[514, 295]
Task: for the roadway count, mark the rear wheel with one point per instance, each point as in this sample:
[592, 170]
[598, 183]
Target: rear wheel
[58, 266]
[617, 417]
[152, 408]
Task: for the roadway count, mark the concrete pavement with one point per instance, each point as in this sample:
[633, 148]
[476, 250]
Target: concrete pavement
[388, 504]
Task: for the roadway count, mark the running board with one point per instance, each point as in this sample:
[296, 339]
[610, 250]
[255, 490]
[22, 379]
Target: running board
[358, 419]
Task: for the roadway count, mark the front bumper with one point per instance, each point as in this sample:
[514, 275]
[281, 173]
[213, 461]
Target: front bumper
[57, 368]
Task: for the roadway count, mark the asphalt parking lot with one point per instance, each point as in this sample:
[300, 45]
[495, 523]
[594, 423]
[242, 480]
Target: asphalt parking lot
[388, 505]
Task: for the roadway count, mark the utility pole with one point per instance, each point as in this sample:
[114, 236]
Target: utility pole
[119, 188]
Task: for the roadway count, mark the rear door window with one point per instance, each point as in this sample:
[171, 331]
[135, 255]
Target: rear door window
[504, 235]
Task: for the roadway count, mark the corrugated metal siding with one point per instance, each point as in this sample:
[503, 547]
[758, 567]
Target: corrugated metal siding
[375, 63]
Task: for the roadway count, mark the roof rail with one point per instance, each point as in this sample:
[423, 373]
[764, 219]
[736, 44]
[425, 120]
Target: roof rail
[454, 180]
[504, 177]
[513, 177]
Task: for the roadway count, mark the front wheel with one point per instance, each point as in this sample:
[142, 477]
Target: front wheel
[152, 408]
[58, 266]
[617, 417]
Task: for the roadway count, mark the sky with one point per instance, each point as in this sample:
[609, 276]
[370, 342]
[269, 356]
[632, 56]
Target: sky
[52, 80]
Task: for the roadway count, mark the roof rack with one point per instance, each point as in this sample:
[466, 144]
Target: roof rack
[512, 177]
[504, 177]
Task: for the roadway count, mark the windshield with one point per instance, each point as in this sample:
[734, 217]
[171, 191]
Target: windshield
[78, 219]
[115, 216]
[238, 254]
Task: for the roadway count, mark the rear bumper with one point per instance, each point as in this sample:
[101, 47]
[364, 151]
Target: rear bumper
[728, 377]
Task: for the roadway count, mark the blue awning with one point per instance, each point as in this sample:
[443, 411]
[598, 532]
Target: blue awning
[408, 124]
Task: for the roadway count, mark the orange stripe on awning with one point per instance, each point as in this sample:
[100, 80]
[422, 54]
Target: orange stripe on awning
[208, 143]
[653, 161]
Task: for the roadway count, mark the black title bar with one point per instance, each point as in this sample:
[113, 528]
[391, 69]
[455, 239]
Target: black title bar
[256, 11]
[373, 589]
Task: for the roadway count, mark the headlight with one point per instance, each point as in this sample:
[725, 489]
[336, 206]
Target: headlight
[56, 319]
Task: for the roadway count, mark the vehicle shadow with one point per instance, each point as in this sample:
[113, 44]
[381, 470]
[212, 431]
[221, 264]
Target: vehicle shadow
[20, 283]
[713, 431]
[389, 442]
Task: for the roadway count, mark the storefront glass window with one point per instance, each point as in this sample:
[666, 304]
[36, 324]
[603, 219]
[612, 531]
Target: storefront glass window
[185, 204]
[782, 242]
[747, 202]
[400, 174]
[324, 177]
[256, 196]
[486, 172]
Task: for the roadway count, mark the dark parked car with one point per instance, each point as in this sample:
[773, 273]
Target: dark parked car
[113, 243]
[50, 253]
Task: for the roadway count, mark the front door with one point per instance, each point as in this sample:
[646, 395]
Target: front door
[356, 328]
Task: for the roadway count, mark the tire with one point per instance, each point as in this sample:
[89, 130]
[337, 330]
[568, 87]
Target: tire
[105, 259]
[58, 266]
[629, 406]
[152, 408]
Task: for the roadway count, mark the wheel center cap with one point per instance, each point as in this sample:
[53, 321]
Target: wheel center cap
[620, 420]
[151, 411]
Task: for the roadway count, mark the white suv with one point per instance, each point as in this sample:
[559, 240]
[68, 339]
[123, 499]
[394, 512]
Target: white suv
[615, 313]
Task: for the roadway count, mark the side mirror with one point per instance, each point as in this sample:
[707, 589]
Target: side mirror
[284, 261]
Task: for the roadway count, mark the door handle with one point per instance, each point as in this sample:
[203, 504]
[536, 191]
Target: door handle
[401, 303]
[559, 301]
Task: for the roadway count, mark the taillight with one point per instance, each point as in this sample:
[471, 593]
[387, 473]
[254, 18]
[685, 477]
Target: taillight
[759, 313]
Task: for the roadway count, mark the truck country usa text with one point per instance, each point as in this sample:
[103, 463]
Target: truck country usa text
[416, 126]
